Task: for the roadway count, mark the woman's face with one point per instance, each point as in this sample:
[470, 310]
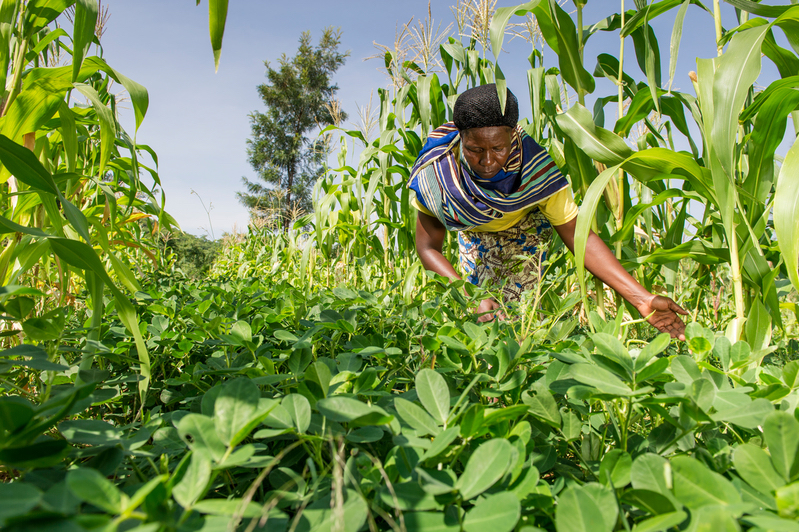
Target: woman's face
[486, 149]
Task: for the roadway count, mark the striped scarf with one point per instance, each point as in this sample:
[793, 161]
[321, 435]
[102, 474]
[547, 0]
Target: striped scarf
[460, 199]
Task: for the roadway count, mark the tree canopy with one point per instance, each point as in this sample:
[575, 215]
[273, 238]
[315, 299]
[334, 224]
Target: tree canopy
[298, 97]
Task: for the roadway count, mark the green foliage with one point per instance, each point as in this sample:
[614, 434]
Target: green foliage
[316, 379]
[193, 255]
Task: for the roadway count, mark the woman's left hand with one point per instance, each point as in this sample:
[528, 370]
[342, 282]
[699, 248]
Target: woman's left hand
[665, 317]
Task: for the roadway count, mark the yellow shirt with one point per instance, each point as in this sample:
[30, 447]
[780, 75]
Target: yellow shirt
[558, 208]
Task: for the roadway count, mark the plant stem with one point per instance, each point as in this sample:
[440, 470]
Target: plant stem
[717, 19]
[737, 281]
[620, 178]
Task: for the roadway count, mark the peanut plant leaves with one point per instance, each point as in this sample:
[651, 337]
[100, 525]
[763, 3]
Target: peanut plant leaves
[541, 404]
[17, 499]
[199, 433]
[416, 417]
[781, 432]
[486, 465]
[695, 486]
[753, 464]
[499, 512]
[749, 415]
[600, 378]
[300, 410]
[234, 410]
[92, 487]
[433, 394]
[580, 510]
[194, 481]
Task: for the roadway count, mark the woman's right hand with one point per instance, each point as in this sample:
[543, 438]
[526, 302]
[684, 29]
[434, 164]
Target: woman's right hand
[487, 311]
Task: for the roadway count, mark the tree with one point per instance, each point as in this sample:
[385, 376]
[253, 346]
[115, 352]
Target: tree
[298, 99]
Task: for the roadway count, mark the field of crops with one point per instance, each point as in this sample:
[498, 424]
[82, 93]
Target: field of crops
[318, 379]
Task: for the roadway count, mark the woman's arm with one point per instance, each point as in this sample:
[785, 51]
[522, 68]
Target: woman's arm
[430, 234]
[429, 245]
[600, 261]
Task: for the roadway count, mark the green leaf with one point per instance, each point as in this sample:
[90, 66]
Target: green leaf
[345, 409]
[500, 20]
[300, 410]
[650, 472]
[781, 432]
[108, 130]
[42, 454]
[541, 404]
[441, 442]
[676, 36]
[788, 501]
[409, 496]
[599, 378]
[42, 329]
[84, 22]
[217, 16]
[790, 374]
[17, 498]
[703, 392]
[431, 522]
[570, 60]
[90, 432]
[572, 426]
[767, 521]
[786, 213]
[650, 501]
[241, 331]
[91, 486]
[761, 10]
[585, 219]
[15, 412]
[661, 523]
[749, 416]
[194, 482]
[615, 469]
[767, 134]
[416, 417]
[754, 466]
[472, 420]
[499, 513]
[433, 394]
[40, 13]
[317, 379]
[696, 486]
[234, 409]
[486, 466]
[612, 348]
[320, 517]
[599, 143]
[655, 347]
[23, 164]
[199, 433]
[229, 507]
[579, 510]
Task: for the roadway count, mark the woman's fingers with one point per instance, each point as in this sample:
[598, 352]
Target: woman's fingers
[677, 308]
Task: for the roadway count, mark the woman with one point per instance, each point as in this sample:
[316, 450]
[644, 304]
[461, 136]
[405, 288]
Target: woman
[483, 176]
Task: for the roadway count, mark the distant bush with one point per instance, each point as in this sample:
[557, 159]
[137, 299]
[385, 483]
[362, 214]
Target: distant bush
[193, 255]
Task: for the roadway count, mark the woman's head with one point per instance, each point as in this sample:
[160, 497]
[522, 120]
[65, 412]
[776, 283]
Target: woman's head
[486, 132]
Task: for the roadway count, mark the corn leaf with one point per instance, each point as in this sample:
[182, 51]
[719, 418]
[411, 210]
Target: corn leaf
[83, 32]
[217, 16]
[786, 212]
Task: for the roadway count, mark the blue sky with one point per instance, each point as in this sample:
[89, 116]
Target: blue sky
[198, 120]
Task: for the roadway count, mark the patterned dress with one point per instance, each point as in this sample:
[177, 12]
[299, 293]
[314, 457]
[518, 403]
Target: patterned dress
[509, 259]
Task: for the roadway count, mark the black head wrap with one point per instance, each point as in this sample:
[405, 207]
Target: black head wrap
[479, 107]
